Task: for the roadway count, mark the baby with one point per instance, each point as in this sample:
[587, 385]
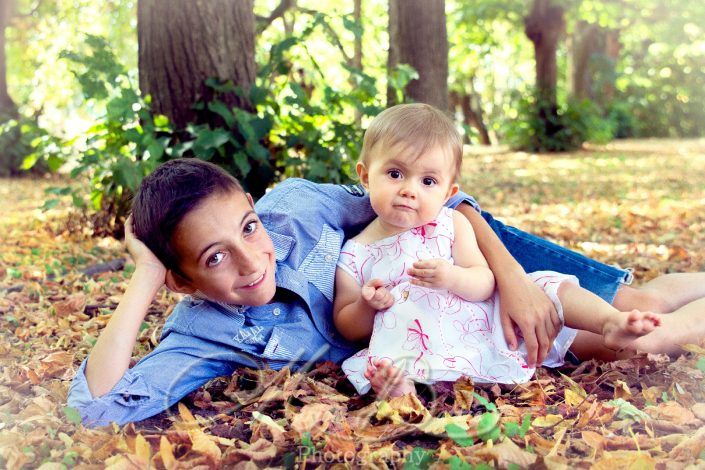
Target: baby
[416, 280]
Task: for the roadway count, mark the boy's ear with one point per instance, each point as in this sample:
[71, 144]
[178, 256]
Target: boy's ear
[177, 283]
[452, 191]
[250, 200]
[363, 174]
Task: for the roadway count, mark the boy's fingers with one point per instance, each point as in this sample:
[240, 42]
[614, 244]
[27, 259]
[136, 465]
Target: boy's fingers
[508, 328]
[532, 347]
[543, 345]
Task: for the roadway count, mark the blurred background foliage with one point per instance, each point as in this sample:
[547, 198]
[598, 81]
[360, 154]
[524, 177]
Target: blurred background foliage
[625, 68]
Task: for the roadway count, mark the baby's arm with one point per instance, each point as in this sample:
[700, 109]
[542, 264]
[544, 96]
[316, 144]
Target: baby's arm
[110, 357]
[355, 306]
[470, 277]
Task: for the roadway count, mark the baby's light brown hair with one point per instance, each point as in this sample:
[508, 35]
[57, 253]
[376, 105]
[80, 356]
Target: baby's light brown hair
[417, 128]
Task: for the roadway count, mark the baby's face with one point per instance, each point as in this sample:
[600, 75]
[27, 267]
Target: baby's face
[226, 252]
[408, 192]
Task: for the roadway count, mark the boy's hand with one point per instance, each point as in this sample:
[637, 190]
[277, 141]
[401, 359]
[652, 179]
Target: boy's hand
[141, 255]
[434, 273]
[376, 295]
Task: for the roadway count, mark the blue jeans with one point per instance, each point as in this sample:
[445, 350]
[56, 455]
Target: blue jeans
[537, 254]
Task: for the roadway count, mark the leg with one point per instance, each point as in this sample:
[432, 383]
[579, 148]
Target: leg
[684, 326]
[583, 310]
[663, 294]
[387, 379]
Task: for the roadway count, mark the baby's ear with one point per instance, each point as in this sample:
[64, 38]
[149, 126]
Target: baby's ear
[175, 282]
[363, 174]
[452, 191]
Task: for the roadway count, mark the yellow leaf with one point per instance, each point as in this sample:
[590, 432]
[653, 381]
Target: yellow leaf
[142, 449]
[572, 398]
[201, 443]
[186, 414]
[546, 421]
[167, 453]
[268, 421]
[621, 390]
[694, 349]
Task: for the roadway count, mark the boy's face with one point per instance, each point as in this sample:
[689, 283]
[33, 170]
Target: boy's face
[407, 192]
[225, 252]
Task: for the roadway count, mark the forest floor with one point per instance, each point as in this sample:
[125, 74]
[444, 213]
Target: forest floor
[639, 204]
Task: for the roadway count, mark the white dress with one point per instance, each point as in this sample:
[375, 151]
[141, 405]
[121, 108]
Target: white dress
[432, 334]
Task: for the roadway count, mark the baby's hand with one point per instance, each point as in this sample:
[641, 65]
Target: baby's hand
[376, 295]
[434, 273]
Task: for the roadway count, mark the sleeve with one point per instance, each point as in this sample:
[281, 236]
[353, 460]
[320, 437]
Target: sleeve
[179, 365]
[345, 207]
[347, 262]
[461, 197]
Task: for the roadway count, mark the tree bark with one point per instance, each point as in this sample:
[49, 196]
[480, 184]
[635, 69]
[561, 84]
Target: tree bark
[584, 43]
[544, 27]
[418, 37]
[8, 108]
[471, 108]
[184, 42]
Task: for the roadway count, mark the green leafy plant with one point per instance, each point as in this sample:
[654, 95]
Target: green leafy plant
[23, 141]
[539, 127]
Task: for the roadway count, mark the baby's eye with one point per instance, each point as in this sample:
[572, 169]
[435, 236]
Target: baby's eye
[428, 181]
[215, 259]
[394, 174]
[250, 227]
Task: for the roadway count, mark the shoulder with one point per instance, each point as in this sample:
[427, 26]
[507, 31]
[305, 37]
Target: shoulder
[181, 319]
[300, 188]
[460, 223]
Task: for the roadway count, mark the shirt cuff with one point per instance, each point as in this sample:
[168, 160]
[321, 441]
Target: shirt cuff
[79, 394]
[461, 197]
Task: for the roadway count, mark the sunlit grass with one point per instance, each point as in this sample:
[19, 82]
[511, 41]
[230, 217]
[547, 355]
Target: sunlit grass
[638, 204]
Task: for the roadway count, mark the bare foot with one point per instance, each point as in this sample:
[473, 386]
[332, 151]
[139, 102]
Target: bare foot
[388, 380]
[623, 328]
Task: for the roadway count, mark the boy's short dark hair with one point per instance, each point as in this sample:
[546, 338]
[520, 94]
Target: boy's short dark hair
[164, 198]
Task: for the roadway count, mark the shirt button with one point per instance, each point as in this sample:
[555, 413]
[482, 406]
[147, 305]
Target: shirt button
[329, 258]
[277, 311]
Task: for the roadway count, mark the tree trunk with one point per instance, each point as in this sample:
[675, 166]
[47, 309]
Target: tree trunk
[8, 108]
[471, 108]
[184, 42]
[417, 36]
[544, 27]
[584, 44]
[612, 50]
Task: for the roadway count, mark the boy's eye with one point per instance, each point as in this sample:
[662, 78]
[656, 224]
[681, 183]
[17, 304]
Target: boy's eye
[428, 181]
[215, 259]
[250, 227]
[394, 174]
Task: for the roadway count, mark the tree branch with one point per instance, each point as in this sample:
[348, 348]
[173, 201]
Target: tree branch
[332, 35]
[264, 22]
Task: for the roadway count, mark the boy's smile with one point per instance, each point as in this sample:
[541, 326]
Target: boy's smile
[225, 252]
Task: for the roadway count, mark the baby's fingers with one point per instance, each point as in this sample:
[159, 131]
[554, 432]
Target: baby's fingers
[421, 273]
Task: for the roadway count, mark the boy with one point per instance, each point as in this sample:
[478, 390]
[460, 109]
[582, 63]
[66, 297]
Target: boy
[256, 296]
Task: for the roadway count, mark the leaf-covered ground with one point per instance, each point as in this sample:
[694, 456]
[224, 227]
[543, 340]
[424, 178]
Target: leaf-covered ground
[637, 204]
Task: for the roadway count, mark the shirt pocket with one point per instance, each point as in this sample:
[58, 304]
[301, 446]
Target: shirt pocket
[319, 265]
[284, 345]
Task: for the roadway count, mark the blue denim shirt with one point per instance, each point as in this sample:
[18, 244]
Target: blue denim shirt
[308, 223]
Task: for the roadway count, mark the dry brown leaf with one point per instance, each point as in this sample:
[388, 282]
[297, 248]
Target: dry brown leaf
[72, 304]
[314, 419]
[506, 453]
[689, 449]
